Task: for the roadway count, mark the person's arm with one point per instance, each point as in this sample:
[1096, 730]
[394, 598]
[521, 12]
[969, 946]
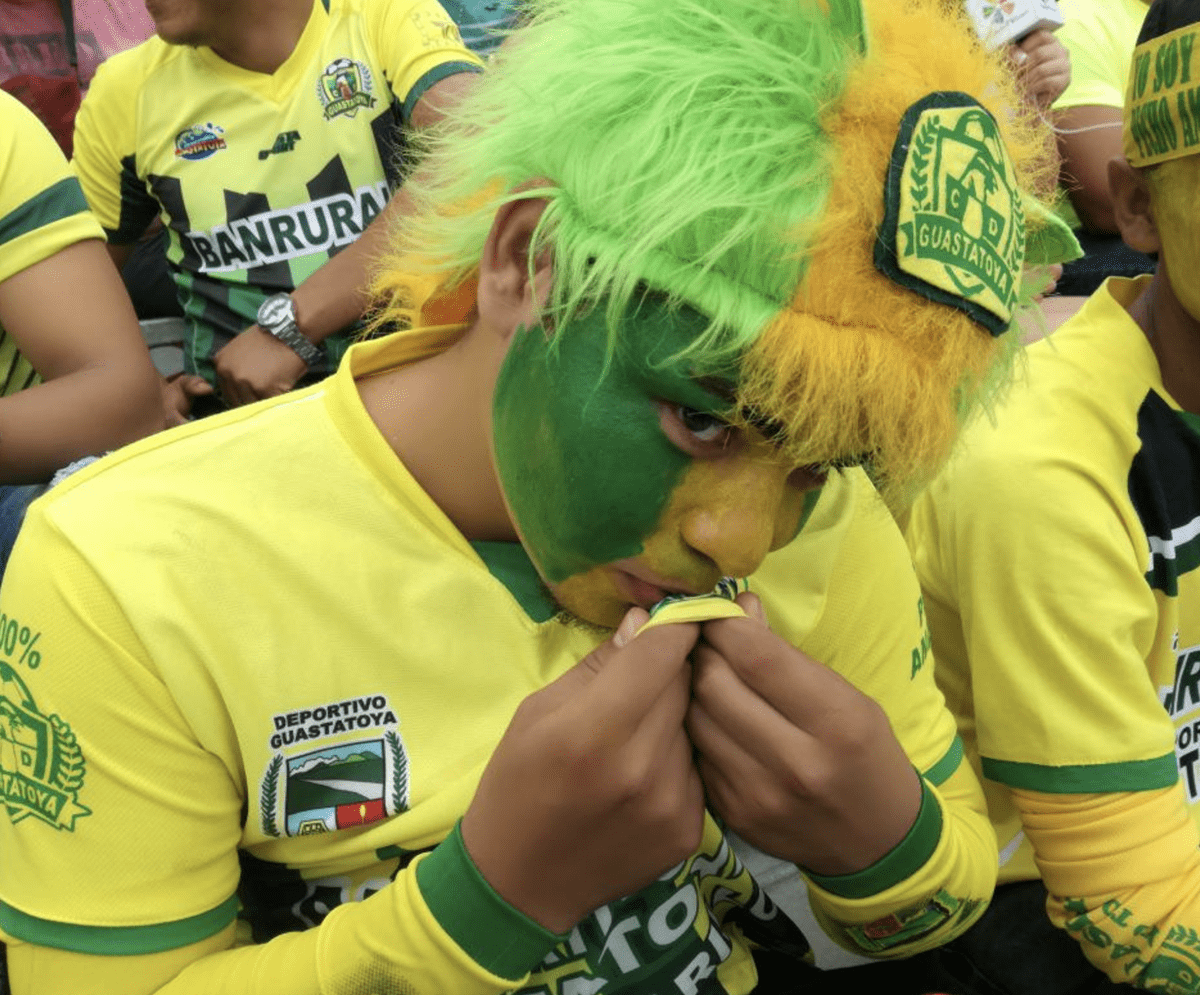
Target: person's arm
[1087, 115]
[99, 390]
[1123, 874]
[849, 767]
[254, 364]
[1067, 712]
[137, 897]
[1089, 138]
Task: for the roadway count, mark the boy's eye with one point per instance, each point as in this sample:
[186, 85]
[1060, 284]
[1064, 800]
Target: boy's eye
[704, 427]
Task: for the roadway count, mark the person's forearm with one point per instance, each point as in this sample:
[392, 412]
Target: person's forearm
[85, 413]
[448, 933]
[958, 871]
[1123, 874]
[336, 295]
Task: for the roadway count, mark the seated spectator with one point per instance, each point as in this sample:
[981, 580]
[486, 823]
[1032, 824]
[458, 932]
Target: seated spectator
[279, 651]
[75, 376]
[1058, 558]
[1087, 117]
[283, 124]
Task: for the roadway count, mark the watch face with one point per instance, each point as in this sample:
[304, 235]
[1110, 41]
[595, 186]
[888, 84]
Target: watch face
[274, 310]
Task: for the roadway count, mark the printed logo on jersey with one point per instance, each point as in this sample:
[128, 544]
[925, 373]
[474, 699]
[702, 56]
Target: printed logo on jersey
[285, 141]
[1181, 700]
[673, 935]
[199, 142]
[341, 784]
[344, 87]
[288, 233]
[41, 765]
[909, 925]
[954, 229]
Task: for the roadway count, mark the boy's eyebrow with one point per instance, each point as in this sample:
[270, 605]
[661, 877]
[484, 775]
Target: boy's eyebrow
[774, 430]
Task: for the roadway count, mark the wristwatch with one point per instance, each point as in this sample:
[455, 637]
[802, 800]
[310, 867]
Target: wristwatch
[277, 317]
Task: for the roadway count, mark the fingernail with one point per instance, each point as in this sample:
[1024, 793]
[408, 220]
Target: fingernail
[633, 620]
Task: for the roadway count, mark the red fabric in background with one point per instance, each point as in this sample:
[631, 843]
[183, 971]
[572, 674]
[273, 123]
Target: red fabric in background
[34, 63]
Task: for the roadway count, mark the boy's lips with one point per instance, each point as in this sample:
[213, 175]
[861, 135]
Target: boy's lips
[646, 590]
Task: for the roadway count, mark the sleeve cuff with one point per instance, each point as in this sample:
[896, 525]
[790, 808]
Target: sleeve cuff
[901, 862]
[496, 936]
[435, 75]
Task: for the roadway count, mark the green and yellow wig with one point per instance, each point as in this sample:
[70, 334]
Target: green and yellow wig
[754, 160]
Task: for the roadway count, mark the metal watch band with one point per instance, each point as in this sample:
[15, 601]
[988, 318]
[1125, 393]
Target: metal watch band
[292, 338]
[277, 317]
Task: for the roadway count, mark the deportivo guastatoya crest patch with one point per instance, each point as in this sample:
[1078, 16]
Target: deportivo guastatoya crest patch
[954, 225]
[329, 782]
[344, 87]
[41, 764]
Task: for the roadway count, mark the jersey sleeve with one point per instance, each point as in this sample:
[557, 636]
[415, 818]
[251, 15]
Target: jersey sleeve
[105, 158]
[42, 209]
[119, 843]
[1123, 874]
[1036, 577]
[870, 627]
[420, 45]
[1033, 578]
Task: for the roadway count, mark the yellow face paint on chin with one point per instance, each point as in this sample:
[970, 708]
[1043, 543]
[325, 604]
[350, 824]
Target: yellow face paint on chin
[1175, 188]
[722, 519]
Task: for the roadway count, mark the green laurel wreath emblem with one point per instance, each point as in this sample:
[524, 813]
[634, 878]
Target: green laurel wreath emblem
[269, 797]
[920, 156]
[399, 773]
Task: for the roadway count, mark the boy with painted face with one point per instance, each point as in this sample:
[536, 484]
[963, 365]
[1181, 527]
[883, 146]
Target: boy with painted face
[685, 265]
[1058, 558]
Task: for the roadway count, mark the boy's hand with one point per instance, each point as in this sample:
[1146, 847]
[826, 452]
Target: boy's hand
[1044, 67]
[794, 758]
[592, 793]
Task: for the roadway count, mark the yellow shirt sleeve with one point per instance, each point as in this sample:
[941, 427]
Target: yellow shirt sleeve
[105, 147]
[420, 45]
[864, 618]
[1123, 874]
[41, 208]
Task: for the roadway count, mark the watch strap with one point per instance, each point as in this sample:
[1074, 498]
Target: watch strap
[290, 336]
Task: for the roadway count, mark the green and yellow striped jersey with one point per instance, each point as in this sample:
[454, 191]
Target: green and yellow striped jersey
[42, 210]
[260, 179]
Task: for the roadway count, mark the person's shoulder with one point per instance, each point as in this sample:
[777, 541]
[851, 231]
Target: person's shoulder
[38, 192]
[21, 131]
[134, 66]
[849, 529]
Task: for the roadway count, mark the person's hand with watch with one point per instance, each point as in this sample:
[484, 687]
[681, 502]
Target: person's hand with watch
[268, 358]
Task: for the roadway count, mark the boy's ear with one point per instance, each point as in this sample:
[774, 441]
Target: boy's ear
[1132, 208]
[509, 294]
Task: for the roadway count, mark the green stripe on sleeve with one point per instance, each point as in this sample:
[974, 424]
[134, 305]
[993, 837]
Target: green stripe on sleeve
[941, 771]
[494, 934]
[117, 941]
[62, 200]
[901, 862]
[435, 75]
[1085, 779]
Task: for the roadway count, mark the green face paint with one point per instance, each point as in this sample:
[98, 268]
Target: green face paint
[582, 458]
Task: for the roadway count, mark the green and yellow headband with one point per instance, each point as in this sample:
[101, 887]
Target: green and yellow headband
[1162, 99]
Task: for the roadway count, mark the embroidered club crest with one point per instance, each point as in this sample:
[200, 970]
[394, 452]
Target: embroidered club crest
[41, 764]
[344, 87]
[199, 142]
[336, 787]
[954, 229]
